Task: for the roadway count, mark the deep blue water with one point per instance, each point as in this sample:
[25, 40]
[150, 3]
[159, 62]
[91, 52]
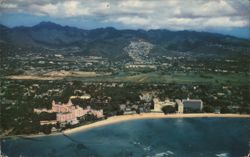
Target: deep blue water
[189, 137]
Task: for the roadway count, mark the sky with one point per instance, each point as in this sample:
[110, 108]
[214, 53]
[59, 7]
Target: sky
[220, 16]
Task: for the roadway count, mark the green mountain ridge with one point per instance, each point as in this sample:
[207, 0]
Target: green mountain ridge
[110, 42]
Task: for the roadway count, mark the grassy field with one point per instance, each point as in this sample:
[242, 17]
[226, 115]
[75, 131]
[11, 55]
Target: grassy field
[155, 77]
[152, 77]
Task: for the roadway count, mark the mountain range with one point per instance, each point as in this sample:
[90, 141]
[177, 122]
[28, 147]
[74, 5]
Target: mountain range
[110, 42]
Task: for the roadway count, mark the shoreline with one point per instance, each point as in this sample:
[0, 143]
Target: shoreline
[123, 118]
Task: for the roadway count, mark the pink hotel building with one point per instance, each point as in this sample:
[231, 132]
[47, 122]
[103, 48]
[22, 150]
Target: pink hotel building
[69, 112]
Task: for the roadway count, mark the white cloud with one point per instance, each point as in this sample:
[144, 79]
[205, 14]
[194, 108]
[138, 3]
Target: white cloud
[225, 21]
[133, 20]
[171, 14]
[8, 5]
[64, 9]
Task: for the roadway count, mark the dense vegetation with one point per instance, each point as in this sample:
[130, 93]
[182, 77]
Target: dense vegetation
[109, 42]
[17, 106]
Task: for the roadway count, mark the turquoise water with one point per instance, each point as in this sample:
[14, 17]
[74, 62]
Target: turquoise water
[206, 137]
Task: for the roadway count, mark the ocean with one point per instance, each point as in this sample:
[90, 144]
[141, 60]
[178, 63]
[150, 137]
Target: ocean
[178, 137]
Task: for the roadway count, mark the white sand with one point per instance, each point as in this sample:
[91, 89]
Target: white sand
[122, 118]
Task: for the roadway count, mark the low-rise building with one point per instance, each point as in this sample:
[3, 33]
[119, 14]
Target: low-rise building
[158, 105]
[122, 107]
[47, 122]
[146, 96]
[83, 97]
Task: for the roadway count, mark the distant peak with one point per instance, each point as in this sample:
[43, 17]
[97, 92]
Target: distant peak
[3, 26]
[110, 28]
[47, 24]
[105, 28]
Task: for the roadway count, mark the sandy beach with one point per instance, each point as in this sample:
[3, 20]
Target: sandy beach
[122, 118]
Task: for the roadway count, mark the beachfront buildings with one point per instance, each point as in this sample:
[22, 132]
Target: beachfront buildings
[185, 105]
[189, 105]
[193, 104]
[180, 106]
[69, 112]
[158, 105]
